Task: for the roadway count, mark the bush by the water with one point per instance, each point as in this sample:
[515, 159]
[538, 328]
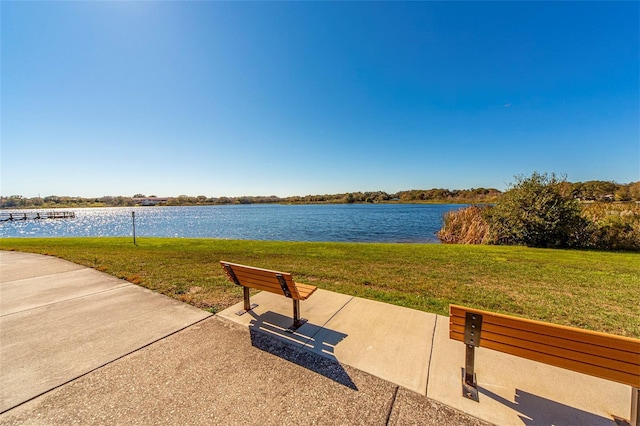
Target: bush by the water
[537, 211]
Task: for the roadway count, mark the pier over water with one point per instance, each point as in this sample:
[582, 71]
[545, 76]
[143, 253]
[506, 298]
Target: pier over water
[36, 215]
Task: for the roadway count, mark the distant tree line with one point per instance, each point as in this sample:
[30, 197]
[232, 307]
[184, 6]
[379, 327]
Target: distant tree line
[582, 191]
[54, 201]
[474, 195]
[596, 190]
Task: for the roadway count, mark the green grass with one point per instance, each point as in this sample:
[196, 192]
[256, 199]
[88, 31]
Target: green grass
[587, 289]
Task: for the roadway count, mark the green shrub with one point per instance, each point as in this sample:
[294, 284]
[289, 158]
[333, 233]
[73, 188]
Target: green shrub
[535, 212]
[613, 226]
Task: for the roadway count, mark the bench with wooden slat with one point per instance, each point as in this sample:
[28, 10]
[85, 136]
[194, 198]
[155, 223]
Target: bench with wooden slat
[610, 357]
[272, 281]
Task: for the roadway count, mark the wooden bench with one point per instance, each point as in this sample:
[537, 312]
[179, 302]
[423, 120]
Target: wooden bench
[272, 281]
[602, 355]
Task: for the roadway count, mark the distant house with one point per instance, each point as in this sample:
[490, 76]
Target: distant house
[149, 201]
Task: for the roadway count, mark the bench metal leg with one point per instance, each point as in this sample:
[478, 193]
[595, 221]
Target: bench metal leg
[469, 383]
[472, 333]
[635, 407]
[247, 303]
[297, 321]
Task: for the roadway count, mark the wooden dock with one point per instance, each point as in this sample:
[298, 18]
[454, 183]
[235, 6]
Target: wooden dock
[14, 216]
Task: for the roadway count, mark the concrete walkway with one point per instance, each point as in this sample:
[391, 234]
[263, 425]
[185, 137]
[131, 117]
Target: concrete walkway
[78, 346]
[412, 349]
[60, 320]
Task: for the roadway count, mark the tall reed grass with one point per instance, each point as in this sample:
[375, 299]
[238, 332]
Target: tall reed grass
[465, 226]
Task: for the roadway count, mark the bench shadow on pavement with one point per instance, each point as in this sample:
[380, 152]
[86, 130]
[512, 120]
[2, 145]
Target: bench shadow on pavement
[268, 334]
[536, 410]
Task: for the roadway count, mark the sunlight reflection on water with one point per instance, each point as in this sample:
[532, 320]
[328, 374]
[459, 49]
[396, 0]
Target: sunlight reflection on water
[358, 222]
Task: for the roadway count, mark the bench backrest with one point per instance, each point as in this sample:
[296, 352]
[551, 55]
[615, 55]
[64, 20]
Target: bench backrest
[262, 279]
[602, 355]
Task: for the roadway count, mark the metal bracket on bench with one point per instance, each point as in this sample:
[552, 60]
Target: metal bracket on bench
[232, 274]
[472, 331]
[283, 284]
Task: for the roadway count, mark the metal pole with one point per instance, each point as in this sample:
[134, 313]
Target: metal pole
[469, 365]
[635, 407]
[296, 313]
[247, 301]
[133, 219]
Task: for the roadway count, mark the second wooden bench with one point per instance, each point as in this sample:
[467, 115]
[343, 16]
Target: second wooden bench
[607, 356]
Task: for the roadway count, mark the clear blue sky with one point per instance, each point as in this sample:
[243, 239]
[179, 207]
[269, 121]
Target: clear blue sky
[296, 98]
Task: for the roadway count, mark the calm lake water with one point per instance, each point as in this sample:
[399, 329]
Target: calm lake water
[334, 222]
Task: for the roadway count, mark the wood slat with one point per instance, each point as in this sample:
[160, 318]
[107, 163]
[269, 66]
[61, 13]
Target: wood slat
[259, 276]
[269, 282]
[569, 333]
[602, 355]
[250, 276]
[243, 277]
[257, 270]
[553, 345]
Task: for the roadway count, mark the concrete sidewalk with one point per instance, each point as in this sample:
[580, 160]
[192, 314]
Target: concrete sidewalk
[78, 346]
[59, 321]
[412, 349]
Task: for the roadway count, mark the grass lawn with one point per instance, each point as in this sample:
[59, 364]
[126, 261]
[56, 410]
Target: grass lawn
[588, 289]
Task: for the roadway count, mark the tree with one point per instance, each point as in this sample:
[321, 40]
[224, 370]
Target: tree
[622, 194]
[634, 191]
[349, 198]
[535, 212]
